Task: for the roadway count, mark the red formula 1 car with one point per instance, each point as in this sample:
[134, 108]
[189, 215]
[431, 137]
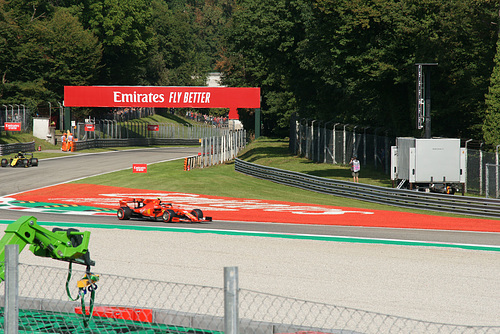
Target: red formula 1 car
[155, 208]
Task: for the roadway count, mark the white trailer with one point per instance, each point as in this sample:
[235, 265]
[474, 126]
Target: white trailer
[437, 164]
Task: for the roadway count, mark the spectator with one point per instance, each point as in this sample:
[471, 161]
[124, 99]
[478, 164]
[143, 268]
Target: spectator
[355, 167]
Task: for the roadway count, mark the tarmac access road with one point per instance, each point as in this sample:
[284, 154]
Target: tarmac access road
[80, 165]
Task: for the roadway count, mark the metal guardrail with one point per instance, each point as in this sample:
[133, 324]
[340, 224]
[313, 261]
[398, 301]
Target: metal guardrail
[464, 205]
[98, 143]
[17, 147]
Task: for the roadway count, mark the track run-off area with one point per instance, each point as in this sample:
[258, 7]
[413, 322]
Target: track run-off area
[425, 267]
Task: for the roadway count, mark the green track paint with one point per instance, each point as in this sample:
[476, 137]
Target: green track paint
[275, 235]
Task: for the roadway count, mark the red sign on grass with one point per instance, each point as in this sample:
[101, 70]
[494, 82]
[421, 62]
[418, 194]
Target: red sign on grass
[139, 168]
[89, 127]
[12, 126]
[153, 127]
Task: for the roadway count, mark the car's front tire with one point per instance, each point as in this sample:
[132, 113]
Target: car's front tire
[197, 213]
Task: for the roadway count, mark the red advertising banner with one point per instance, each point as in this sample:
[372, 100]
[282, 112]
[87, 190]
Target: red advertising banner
[162, 97]
[153, 127]
[12, 126]
[139, 168]
[89, 127]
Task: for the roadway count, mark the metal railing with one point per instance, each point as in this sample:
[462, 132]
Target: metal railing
[130, 305]
[381, 195]
[218, 150]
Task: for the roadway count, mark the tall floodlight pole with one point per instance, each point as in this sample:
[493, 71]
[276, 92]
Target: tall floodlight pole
[423, 92]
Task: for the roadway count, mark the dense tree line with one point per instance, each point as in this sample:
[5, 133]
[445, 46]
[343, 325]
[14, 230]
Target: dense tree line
[347, 61]
[46, 44]
[353, 61]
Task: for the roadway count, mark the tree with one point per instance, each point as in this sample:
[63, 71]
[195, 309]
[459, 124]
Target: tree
[45, 54]
[491, 126]
[260, 52]
[176, 57]
[71, 54]
[124, 30]
[353, 61]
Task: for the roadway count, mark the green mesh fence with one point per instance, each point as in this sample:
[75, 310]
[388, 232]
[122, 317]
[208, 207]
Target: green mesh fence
[32, 321]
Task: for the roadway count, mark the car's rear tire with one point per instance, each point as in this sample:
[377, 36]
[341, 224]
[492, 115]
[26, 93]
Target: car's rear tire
[197, 213]
[5, 162]
[124, 213]
[34, 162]
[168, 215]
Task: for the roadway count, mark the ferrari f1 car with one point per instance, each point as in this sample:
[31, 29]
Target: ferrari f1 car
[155, 208]
[20, 160]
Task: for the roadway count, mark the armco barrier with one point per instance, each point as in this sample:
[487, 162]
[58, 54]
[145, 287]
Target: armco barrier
[6, 149]
[100, 143]
[456, 204]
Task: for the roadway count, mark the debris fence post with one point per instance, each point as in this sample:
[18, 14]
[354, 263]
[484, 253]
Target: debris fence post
[231, 300]
[11, 319]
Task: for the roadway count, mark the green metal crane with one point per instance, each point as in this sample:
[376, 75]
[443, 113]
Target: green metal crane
[68, 245]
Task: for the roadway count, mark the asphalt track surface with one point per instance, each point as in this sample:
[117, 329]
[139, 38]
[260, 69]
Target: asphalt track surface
[81, 165]
[427, 283]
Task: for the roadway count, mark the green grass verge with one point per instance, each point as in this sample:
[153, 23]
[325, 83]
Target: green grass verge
[275, 153]
[13, 138]
[223, 180]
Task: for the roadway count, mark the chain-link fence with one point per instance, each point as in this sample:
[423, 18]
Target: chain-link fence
[18, 114]
[336, 143]
[477, 167]
[111, 129]
[492, 180]
[131, 305]
[129, 113]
